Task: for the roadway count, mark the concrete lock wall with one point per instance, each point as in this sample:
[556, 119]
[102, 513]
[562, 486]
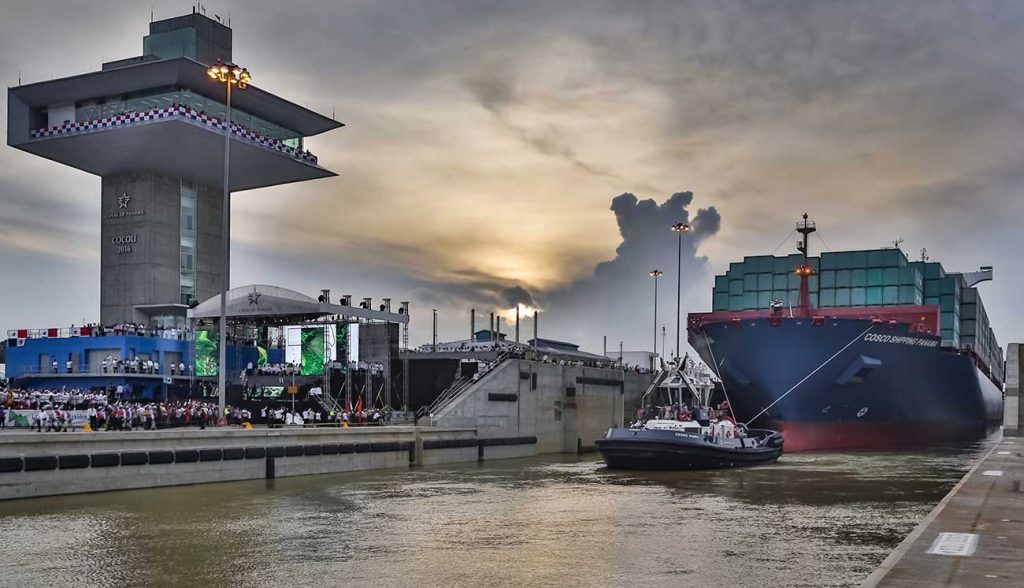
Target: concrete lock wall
[68, 463]
[568, 408]
[1013, 409]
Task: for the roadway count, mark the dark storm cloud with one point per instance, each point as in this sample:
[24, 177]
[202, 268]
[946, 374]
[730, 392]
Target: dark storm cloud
[616, 297]
[517, 295]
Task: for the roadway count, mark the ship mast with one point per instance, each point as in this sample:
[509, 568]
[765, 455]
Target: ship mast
[804, 270]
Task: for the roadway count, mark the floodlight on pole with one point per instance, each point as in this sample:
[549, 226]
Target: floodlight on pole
[679, 229]
[229, 75]
[656, 273]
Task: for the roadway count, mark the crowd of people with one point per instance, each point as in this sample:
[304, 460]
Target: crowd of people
[280, 416]
[60, 410]
[63, 409]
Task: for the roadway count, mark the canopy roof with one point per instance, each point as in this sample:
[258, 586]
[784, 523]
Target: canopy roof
[165, 73]
[257, 301]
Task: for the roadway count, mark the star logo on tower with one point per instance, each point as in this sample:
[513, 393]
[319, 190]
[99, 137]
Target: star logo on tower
[123, 200]
[254, 298]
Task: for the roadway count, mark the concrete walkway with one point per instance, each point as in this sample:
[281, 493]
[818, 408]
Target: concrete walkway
[974, 537]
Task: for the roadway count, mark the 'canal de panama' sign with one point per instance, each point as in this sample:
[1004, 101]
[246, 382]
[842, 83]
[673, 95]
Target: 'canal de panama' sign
[123, 210]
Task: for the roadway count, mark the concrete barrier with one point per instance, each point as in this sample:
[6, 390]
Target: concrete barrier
[68, 463]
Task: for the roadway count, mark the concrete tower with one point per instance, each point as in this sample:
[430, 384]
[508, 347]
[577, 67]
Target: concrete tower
[151, 127]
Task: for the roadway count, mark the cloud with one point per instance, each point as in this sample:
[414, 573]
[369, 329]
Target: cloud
[617, 296]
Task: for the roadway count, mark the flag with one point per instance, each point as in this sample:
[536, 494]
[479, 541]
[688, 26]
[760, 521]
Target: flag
[359, 404]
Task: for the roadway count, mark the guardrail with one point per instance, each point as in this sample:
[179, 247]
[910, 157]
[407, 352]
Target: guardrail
[176, 111]
[87, 370]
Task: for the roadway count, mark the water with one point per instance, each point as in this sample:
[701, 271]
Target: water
[819, 519]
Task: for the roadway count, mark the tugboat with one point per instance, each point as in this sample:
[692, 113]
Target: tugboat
[674, 437]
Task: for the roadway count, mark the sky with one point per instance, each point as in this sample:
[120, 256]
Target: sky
[536, 152]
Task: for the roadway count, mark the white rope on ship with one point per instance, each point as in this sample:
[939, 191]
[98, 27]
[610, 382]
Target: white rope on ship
[835, 355]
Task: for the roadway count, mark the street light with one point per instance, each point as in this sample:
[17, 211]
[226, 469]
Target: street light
[679, 229]
[230, 75]
[656, 273]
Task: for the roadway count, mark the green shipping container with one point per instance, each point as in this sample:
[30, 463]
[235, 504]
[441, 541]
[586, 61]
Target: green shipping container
[827, 298]
[948, 303]
[735, 303]
[721, 283]
[908, 276]
[843, 278]
[858, 296]
[874, 296]
[765, 281]
[750, 300]
[842, 297]
[858, 277]
[827, 279]
[874, 277]
[735, 287]
[910, 295]
[891, 295]
[750, 283]
[721, 301]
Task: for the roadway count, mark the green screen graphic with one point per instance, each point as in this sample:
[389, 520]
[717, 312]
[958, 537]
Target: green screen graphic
[312, 351]
[206, 353]
[261, 359]
[341, 346]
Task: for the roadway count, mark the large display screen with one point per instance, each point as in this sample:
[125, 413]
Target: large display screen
[310, 347]
[206, 353]
[312, 352]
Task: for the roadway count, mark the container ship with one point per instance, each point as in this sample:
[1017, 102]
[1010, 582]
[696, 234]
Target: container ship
[853, 349]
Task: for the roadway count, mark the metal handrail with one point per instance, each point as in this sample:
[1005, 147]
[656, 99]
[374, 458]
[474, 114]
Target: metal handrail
[462, 384]
[98, 370]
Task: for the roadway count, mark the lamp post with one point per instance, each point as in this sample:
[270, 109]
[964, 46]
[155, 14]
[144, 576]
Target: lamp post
[229, 75]
[655, 273]
[679, 229]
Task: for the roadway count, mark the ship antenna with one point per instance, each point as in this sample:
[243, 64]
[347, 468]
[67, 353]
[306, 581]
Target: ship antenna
[804, 270]
[897, 242]
[924, 254]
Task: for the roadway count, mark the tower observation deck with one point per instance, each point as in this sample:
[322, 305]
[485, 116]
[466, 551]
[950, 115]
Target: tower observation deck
[152, 127]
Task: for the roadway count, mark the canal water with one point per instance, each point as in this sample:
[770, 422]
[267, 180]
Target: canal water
[813, 519]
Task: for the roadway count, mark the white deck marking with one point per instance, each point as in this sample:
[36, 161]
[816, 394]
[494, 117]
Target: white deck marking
[992, 473]
[955, 544]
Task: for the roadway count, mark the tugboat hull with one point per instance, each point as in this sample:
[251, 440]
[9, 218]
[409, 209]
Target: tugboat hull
[629, 449]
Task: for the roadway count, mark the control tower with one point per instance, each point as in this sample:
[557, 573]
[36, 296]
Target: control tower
[152, 127]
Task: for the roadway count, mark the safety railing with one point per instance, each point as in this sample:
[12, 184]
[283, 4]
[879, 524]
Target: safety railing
[175, 111]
